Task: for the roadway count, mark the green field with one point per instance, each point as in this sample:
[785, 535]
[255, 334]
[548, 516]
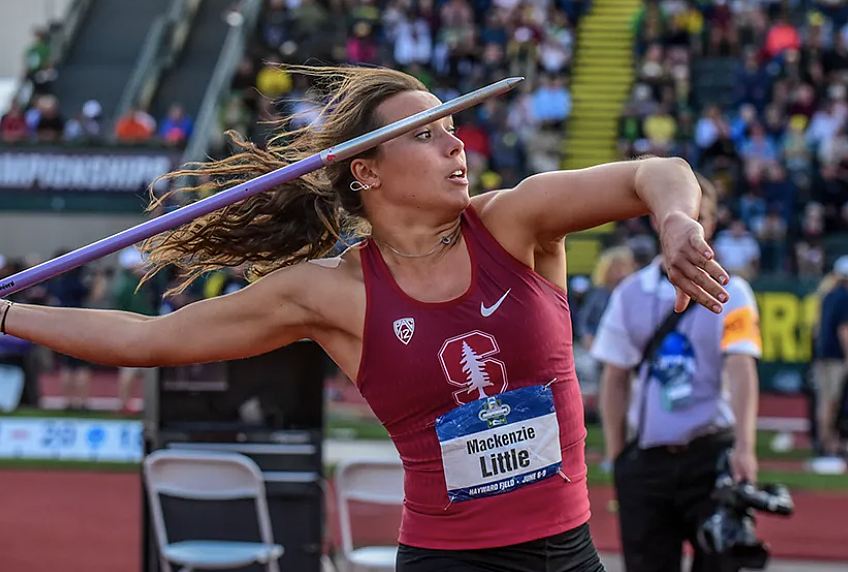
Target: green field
[370, 430]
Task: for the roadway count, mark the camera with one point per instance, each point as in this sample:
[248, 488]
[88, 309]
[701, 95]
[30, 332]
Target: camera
[731, 529]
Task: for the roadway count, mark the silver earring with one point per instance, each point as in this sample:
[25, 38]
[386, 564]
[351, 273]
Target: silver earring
[356, 186]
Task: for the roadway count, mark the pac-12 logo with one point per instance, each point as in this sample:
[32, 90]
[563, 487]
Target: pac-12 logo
[404, 329]
[468, 363]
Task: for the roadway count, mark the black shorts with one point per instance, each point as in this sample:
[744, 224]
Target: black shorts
[571, 551]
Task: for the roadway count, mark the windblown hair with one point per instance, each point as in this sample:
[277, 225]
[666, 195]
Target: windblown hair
[293, 222]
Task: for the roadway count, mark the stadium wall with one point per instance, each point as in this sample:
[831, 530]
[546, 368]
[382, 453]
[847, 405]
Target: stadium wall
[22, 234]
[20, 18]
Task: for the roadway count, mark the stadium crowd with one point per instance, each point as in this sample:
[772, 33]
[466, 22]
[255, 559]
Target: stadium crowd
[779, 147]
[452, 46]
[41, 119]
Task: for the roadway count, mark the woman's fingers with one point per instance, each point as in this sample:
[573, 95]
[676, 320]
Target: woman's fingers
[702, 256]
[715, 270]
[699, 286]
[681, 301]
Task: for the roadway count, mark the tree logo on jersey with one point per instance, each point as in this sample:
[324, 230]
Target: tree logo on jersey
[404, 328]
[468, 363]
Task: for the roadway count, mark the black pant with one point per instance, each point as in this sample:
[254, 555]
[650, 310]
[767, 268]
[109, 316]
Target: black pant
[663, 497]
[571, 551]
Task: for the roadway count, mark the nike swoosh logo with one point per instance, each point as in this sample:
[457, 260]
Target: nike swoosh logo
[491, 309]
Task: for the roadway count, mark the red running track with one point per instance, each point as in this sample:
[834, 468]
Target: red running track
[90, 522]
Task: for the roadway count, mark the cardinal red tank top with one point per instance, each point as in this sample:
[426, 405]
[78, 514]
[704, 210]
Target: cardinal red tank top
[480, 397]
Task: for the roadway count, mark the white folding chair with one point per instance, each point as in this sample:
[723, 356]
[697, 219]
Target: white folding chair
[368, 481]
[11, 387]
[212, 476]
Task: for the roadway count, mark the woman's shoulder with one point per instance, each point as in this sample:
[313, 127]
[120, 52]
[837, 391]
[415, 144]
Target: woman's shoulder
[481, 201]
[319, 277]
[343, 270]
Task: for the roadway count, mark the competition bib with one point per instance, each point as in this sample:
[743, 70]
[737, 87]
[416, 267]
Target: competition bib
[498, 444]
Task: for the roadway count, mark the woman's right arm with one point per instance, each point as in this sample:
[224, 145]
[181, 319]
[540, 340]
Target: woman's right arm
[270, 313]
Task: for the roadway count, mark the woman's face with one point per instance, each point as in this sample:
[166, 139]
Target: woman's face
[424, 169]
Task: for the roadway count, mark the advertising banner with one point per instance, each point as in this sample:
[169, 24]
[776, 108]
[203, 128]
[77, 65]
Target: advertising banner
[84, 169]
[71, 439]
[789, 310]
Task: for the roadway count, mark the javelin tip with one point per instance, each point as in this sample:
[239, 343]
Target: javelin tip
[513, 81]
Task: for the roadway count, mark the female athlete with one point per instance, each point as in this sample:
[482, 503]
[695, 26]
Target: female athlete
[451, 316]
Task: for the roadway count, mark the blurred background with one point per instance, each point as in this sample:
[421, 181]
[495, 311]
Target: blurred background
[99, 97]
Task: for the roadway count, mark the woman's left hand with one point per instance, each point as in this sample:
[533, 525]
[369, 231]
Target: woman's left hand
[691, 265]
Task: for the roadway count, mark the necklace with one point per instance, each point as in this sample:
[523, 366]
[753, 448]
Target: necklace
[445, 240]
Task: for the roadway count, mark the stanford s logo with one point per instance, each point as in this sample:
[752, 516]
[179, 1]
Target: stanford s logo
[404, 328]
[468, 363]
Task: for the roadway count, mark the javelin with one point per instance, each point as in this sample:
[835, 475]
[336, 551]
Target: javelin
[101, 248]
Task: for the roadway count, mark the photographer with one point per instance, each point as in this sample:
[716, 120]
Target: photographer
[666, 450]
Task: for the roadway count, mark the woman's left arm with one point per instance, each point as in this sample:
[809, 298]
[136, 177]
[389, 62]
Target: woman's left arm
[553, 204]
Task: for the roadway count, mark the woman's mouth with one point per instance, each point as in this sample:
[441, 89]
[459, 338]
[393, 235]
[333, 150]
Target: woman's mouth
[458, 177]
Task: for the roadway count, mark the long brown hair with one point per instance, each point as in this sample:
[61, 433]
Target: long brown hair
[299, 220]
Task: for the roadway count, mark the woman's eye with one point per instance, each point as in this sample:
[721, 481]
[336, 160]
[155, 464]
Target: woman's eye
[452, 130]
[423, 135]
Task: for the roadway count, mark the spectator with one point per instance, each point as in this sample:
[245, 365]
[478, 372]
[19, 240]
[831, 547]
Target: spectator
[781, 36]
[737, 250]
[413, 40]
[551, 102]
[38, 54]
[613, 266]
[834, 149]
[136, 126]
[835, 61]
[477, 146]
[272, 81]
[831, 368]
[724, 37]
[759, 148]
[795, 151]
[809, 249]
[130, 297]
[708, 127]
[660, 129]
[13, 126]
[51, 124]
[72, 290]
[804, 103]
[86, 126]
[361, 45]
[176, 128]
[825, 123]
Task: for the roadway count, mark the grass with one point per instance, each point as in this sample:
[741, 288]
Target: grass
[62, 414]
[595, 443]
[370, 430]
[355, 429]
[68, 465]
[796, 481]
[366, 429]
[345, 428]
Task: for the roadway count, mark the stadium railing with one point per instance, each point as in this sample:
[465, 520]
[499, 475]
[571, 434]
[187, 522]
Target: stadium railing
[163, 44]
[231, 55]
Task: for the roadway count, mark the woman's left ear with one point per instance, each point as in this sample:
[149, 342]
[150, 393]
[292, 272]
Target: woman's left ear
[363, 173]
